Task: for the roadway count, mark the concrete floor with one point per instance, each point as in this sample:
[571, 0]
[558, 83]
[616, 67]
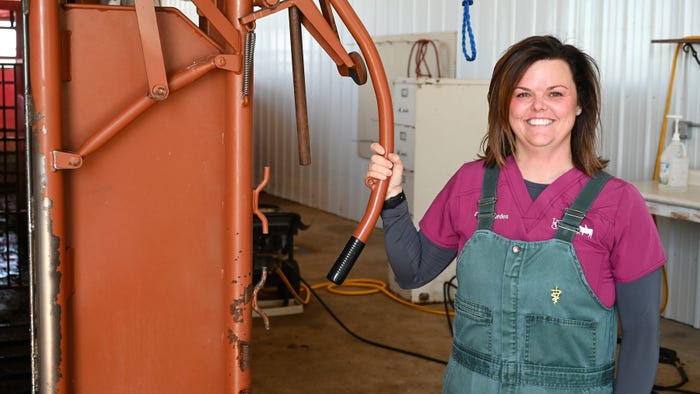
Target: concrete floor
[309, 352]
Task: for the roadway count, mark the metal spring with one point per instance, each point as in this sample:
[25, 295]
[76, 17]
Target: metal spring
[248, 52]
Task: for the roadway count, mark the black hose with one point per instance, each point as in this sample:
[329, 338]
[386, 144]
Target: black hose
[447, 300]
[669, 356]
[365, 340]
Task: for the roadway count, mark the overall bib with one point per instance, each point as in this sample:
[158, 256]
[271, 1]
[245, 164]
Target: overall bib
[526, 320]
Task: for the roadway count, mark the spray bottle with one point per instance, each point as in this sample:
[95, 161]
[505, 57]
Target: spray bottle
[673, 169]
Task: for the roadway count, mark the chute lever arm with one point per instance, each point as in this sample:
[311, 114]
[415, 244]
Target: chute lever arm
[324, 32]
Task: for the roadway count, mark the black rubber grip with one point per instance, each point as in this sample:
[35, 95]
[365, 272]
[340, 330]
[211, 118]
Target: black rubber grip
[345, 261]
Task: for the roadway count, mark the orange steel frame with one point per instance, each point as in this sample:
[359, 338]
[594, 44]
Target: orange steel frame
[141, 214]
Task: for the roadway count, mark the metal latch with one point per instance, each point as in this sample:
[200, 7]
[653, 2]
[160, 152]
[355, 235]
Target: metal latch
[66, 160]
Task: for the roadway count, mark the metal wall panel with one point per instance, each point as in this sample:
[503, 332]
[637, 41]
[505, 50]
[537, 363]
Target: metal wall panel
[618, 34]
[634, 74]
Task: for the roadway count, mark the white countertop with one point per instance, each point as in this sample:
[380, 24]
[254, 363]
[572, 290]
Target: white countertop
[682, 206]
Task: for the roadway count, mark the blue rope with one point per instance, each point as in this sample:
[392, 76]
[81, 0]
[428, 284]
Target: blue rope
[467, 25]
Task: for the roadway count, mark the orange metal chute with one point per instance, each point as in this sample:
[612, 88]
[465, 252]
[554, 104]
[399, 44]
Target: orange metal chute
[142, 191]
[146, 213]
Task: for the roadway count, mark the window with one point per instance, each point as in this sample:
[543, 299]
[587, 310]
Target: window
[8, 34]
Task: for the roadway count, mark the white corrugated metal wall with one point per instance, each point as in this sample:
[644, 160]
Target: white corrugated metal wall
[618, 34]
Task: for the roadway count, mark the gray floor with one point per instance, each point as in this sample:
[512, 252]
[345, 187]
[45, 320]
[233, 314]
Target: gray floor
[309, 352]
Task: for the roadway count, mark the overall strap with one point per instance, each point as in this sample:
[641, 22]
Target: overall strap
[568, 226]
[487, 203]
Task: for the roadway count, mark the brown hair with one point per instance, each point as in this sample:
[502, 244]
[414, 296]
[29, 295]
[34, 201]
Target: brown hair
[499, 142]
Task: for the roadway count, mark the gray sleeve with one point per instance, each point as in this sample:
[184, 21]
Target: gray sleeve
[414, 259]
[638, 304]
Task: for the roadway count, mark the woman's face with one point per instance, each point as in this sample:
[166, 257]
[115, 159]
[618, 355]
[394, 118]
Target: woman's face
[544, 107]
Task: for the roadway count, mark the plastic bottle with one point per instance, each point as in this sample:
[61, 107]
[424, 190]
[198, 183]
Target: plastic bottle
[673, 169]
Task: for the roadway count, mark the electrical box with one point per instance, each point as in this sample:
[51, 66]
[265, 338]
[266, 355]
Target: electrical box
[438, 126]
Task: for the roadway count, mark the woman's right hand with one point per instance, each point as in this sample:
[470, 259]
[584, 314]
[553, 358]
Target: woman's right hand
[382, 168]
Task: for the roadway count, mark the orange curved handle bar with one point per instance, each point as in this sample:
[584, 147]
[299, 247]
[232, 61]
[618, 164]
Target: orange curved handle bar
[386, 138]
[384, 106]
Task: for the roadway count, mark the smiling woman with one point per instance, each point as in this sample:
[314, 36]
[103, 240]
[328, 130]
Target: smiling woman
[550, 251]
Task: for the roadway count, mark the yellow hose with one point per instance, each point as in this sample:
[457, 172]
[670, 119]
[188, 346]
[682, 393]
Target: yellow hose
[665, 281]
[307, 295]
[370, 286]
[374, 286]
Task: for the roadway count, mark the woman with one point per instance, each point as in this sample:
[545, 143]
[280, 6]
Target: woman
[550, 248]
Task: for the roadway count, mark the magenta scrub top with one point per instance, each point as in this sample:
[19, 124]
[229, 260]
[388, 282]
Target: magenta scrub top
[617, 240]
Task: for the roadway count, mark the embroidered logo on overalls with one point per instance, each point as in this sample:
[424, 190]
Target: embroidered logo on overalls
[556, 294]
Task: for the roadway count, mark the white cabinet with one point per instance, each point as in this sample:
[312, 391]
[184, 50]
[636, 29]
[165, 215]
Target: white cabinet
[395, 51]
[438, 126]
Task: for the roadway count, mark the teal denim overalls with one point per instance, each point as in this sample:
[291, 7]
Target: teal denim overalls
[526, 320]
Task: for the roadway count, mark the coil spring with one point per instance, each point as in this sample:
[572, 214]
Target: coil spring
[248, 53]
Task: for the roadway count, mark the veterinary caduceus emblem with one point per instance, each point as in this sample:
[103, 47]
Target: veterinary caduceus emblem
[556, 294]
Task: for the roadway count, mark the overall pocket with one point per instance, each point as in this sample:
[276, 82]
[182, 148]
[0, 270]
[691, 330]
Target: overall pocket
[473, 326]
[561, 342]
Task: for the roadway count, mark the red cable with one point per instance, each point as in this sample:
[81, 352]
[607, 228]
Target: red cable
[421, 48]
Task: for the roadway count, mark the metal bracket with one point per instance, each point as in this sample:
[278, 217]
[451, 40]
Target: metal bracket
[228, 62]
[66, 160]
[152, 50]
